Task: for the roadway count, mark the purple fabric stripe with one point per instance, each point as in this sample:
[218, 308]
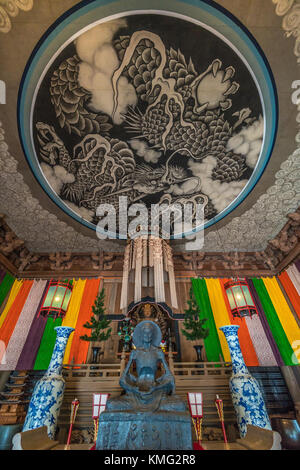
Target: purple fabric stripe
[265, 323]
[297, 263]
[2, 274]
[32, 343]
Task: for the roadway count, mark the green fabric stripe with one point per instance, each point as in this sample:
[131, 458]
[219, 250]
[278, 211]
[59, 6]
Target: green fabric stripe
[47, 344]
[276, 328]
[212, 343]
[5, 286]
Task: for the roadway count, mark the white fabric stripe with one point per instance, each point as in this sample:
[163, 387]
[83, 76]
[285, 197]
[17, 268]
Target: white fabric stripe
[294, 276]
[260, 342]
[20, 333]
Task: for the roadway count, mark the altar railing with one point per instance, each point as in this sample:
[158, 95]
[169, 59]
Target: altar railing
[189, 370]
[82, 380]
[106, 372]
[181, 370]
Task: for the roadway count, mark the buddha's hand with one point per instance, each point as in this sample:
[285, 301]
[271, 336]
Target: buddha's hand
[128, 385]
[166, 385]
[144, 388]
[146, 394]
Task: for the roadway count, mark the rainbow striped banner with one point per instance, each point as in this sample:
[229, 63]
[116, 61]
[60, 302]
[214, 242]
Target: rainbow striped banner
[272, 337]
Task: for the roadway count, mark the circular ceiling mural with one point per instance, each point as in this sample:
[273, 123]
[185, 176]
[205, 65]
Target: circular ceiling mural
[157, 107]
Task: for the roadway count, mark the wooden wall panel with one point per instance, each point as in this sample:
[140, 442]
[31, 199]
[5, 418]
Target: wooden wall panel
[111, 345]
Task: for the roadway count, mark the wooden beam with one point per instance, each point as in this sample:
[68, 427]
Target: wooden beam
[292, 256]
[92, 274]
[8, 265]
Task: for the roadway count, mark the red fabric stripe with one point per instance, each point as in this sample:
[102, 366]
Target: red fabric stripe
[291, 291]
[79, 348]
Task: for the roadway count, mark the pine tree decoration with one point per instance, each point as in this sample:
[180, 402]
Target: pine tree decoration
[98, 323]
[194, 328]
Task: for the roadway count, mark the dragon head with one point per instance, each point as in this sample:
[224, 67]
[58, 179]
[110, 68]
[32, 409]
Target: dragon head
[50, 143]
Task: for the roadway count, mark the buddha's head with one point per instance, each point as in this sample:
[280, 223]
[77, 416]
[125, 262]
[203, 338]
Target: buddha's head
[147, 334]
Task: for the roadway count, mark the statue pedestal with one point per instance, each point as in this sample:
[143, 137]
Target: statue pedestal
[123, 430]
[149, 416]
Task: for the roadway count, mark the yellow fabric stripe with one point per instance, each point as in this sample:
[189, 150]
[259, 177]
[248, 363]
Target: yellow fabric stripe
[71, 316]
[13, 294]
[220, 312]
[283, 311]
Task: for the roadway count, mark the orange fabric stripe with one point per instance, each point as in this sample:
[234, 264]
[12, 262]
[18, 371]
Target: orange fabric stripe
[13, 314]
[291, 291]
[245, 340]
[79, 348]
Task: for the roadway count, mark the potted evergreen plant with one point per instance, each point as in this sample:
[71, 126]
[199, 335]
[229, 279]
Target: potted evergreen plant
[99, 325]
[193, 325]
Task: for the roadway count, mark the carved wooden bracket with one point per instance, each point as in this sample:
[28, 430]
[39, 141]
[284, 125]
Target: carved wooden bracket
[280, 252]
[9, 242]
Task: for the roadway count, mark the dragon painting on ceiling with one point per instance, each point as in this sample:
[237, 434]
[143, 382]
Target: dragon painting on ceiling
[133, 108]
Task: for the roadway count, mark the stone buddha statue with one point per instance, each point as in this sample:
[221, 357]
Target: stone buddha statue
[148, 415]
[146, 391]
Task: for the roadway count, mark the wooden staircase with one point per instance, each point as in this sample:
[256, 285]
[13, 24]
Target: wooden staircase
[15, 396]
[277, 397]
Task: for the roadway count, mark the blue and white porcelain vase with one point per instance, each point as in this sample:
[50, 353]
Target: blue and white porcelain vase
[247, 398]
[48, 392]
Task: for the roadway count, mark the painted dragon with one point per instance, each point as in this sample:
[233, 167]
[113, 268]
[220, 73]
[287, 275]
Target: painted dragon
[173, 115]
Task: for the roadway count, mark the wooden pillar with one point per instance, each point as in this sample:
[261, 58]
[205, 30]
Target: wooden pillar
[291, 375]
[4, 376]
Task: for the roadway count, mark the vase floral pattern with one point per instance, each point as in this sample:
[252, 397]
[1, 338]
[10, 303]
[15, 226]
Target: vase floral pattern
[247, 398]
[48, 392]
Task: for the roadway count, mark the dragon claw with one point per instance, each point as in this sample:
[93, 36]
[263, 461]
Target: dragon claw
[226, 104]
[232, 89]
[199, 109]
[229, 73]
[216, 65]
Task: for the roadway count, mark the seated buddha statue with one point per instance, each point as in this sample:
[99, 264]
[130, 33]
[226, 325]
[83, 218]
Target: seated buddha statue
[145, 391]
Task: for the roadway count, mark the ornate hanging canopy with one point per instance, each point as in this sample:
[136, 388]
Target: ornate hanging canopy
[149, 259]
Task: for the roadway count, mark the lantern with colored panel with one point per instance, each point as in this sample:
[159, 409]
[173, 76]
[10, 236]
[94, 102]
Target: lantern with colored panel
[196, 409]
[240, 298]
[99, 405]
[56, 299]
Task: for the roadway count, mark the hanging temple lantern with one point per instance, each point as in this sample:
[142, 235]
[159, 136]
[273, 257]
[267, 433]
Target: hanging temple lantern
[240, 298]
[56, 299]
